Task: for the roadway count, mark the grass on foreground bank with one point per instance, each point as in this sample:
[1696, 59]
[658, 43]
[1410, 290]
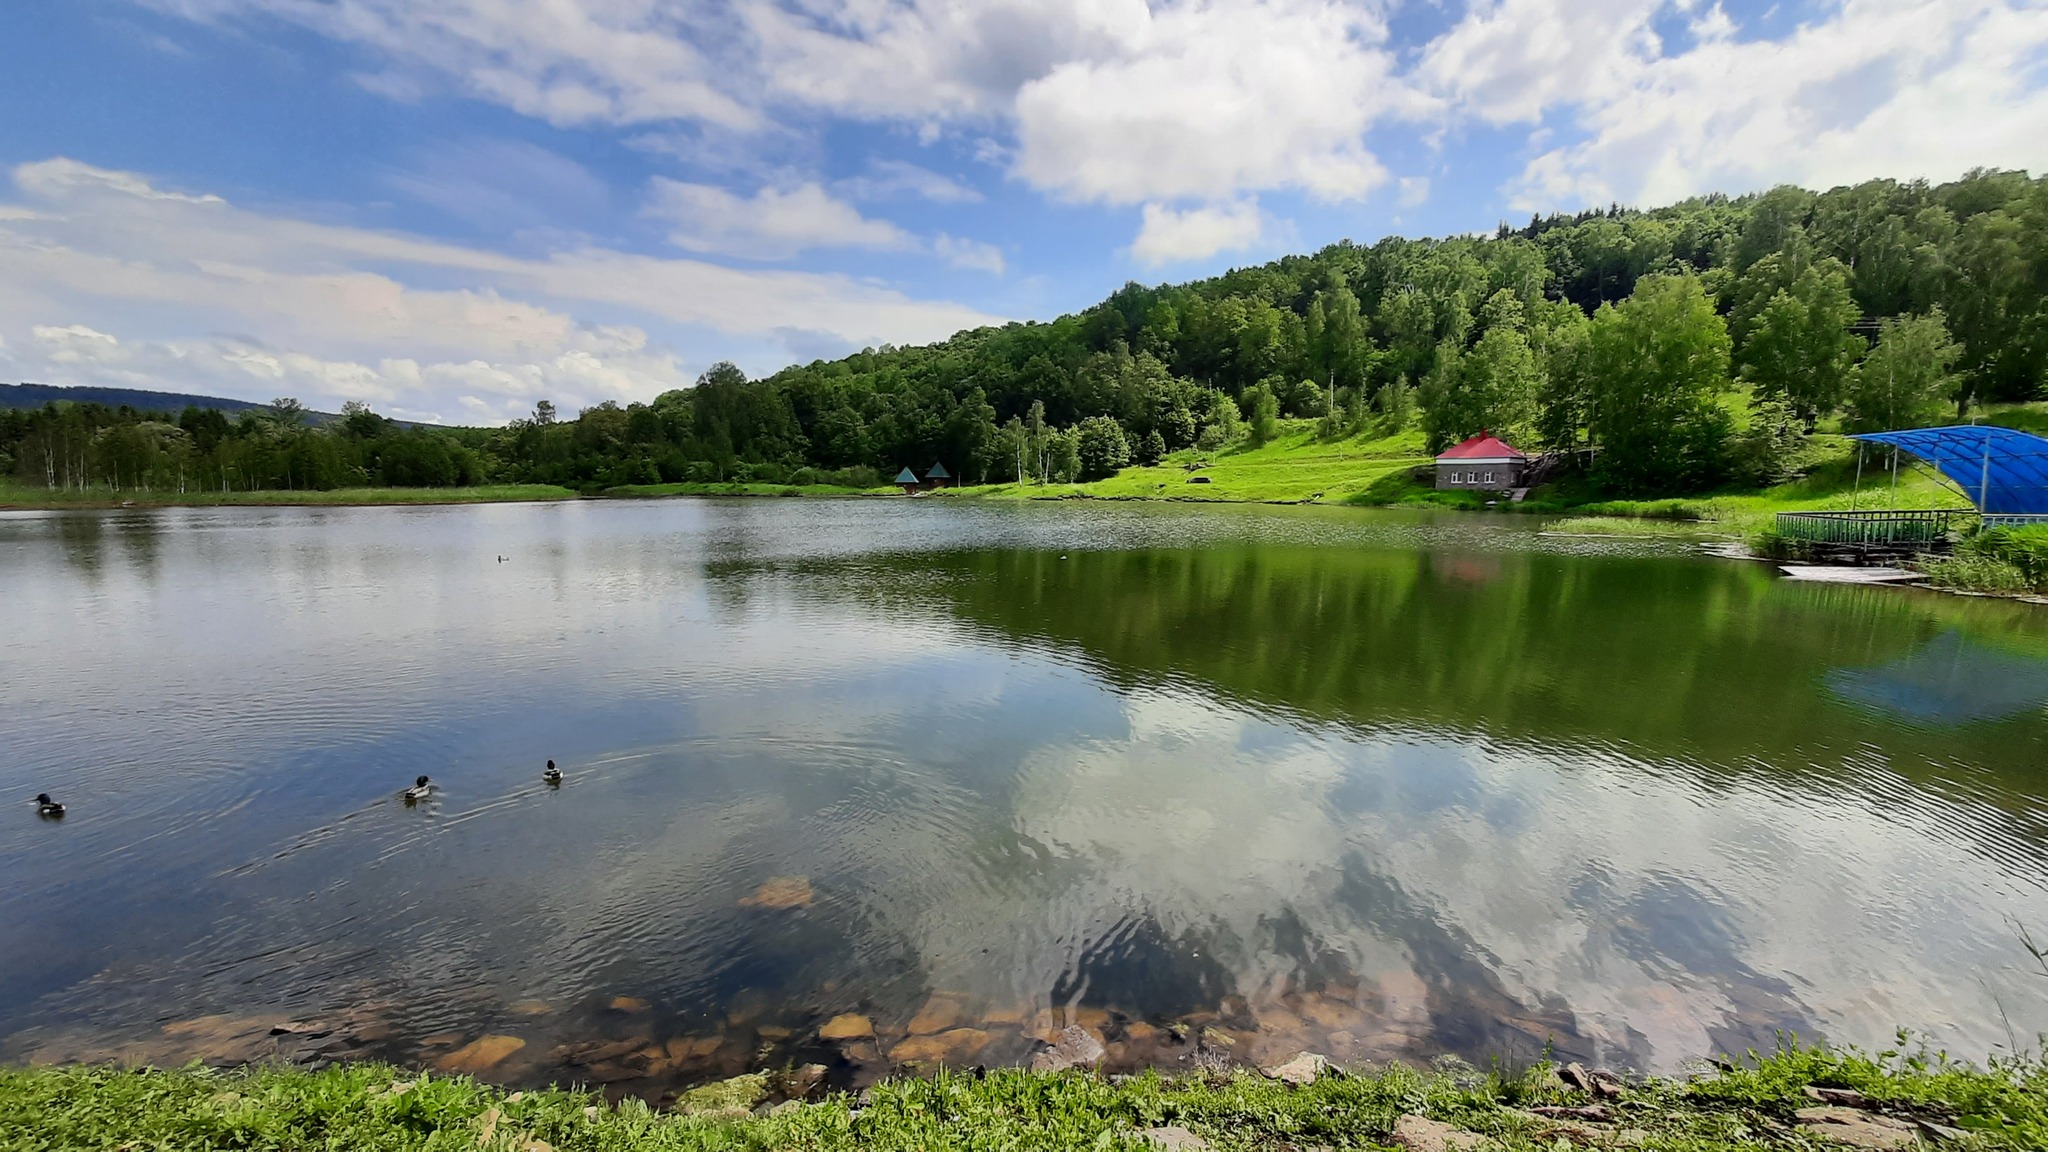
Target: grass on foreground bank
[1754, 1106]
[24, 497]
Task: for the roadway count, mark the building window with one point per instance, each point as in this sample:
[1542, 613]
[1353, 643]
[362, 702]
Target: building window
[1489, 477]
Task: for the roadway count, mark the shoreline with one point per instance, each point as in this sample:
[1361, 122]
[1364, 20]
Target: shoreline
[1591, 521]
[1795, 1098]
[17, 499]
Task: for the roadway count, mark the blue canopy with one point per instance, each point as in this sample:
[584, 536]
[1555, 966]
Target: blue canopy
[2003, 472]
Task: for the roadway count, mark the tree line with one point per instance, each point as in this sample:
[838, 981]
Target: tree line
[66, 446]
[1663, 350]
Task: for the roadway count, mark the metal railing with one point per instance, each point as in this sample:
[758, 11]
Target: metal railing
[1888, 527]
[2014, 519]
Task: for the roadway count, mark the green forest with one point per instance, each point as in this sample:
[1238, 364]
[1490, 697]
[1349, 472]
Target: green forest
[1662, 351]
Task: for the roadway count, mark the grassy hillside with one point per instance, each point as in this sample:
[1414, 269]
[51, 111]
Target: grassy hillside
[1294, 468]
[1298, 468]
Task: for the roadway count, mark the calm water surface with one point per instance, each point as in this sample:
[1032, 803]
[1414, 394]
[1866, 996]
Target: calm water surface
[1379, 785]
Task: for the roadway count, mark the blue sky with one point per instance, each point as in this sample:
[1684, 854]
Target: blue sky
[453, 208]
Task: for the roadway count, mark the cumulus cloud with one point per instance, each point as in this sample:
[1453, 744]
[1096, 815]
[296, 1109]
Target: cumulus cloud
[1118, 101]
[1167, 234]
[1191, 104]
[1511, 60]
[771, 224]
[1210, 100]
[114, 279]
[1877, 88]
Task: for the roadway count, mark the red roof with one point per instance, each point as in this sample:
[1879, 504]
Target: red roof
[1484, 446]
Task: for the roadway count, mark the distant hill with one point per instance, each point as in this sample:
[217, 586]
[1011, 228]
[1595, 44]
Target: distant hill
[37, 395]
[143, 400]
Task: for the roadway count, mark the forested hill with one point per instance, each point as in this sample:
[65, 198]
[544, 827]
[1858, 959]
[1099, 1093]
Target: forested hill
[37, 395]
[1687, 342]
[1687, 346]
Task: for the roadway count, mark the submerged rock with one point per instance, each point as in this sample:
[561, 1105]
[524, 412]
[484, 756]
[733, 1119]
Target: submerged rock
[954, 1045]
[847, 1027]
[1076, 1047]
[781, 892]
[480, 1055]
[938, 1014]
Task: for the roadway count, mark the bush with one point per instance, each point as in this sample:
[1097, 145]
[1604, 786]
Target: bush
[1997, 560]
[858, 476]
[1765, 452]
[1973, 573]
[1100, 443]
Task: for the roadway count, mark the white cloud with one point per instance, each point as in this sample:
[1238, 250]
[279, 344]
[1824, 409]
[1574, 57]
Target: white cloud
[1510, 60]
[1187, 104]
[599, 61]
[1899, 88]
[1197, 233]
[71, 342]
[972, 254]
[92, 253]
[927, 60]
[891, 179]
[1414, 190]
[1208, 100]
[501, 183]
[772, 224]
[1118, 101]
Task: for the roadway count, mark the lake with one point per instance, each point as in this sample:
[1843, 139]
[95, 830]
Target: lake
[894, 782]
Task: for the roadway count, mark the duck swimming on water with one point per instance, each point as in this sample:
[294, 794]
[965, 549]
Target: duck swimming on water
[48, 808]
[419, 791]
[552, 775]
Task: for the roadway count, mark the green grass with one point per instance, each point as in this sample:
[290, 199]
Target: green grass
[22, 496]
[1629, 526]
[737, 488]
[1294, 468]
[372, 1107]
[1298, 468]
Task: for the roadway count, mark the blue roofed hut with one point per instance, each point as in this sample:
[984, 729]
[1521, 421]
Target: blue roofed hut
[907, 480]
[938, 477]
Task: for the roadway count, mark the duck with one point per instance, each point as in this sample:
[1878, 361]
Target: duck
[47, 807]
[552, 774]
[419, 791]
